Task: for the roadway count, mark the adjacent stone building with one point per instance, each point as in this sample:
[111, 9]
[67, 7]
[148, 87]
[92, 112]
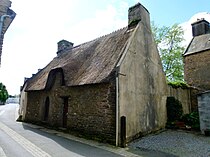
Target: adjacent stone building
[197, 56]
[6, 17]
[112, 88]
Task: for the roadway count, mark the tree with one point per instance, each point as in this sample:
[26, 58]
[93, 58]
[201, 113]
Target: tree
[3, 93]
[169, 41]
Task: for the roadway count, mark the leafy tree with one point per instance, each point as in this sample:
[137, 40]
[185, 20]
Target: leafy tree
[3, 93]
[169, 41]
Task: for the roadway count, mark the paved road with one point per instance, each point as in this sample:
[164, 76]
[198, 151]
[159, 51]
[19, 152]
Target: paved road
[23, 140]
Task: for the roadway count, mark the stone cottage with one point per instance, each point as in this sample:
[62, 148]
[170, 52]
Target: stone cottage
[197, 59]
[113, 87]
[6, 17]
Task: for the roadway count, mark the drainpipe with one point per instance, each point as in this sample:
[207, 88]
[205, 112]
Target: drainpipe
[117, 109]
[2, 22]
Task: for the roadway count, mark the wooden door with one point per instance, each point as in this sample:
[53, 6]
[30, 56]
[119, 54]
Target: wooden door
[46, 109]
[65, 111]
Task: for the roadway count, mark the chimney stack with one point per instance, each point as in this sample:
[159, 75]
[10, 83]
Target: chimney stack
[4, 5]
[64, 45]
[138, 13]
[200, 27]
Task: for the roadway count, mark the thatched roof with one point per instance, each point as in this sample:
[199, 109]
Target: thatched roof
[198, 44]
[88, 63]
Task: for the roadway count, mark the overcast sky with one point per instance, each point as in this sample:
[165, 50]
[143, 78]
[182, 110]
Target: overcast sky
[31, 41]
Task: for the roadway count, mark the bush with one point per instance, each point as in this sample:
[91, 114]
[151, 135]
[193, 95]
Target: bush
[192, 119]
[178, 84]
[3, 93]
[174, 109]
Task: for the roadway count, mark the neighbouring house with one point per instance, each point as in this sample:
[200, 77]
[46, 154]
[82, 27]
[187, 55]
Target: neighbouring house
[23, 99]
[197, 59]
[6, 17]
[113, 87]
[197, 56]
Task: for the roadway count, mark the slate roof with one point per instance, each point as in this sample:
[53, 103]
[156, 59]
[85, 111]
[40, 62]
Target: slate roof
[198, 44]
[88, 63]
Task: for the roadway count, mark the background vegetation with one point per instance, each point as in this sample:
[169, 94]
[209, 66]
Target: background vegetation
[169, 42]
[3, 93]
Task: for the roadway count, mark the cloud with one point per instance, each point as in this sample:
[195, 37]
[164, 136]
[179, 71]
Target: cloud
[104, 22]
[31, 41]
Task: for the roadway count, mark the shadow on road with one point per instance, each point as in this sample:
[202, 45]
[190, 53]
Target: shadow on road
[71, 145]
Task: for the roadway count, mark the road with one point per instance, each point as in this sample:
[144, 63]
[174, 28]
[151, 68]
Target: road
[24, 140]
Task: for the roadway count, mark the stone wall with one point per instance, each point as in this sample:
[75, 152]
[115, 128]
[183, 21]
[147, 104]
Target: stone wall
[91, 108]
[196, 70]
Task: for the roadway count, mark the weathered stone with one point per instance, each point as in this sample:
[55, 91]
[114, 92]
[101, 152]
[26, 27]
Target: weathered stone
[88, 115]
[196, 70]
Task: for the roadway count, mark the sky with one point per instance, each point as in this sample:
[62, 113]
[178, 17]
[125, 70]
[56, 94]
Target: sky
[30, 43]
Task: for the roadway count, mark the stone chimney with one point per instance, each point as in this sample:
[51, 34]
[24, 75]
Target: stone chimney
[4, 5]
[64, 45]
[138, 13]
[200, 27]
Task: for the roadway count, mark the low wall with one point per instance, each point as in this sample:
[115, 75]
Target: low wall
[183, 95]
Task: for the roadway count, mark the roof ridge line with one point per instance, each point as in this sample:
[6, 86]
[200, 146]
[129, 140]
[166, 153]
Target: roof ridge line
[100, 37]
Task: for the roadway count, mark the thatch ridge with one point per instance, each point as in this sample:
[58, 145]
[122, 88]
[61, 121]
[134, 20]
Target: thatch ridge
[88, 63]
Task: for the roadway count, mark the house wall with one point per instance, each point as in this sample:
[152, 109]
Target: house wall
[23, 102]
[91, 108]
[37, 100]
[142, 85]
[195, 70]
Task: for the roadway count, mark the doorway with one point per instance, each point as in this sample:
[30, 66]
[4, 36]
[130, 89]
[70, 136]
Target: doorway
[46, 109]
[65, 111]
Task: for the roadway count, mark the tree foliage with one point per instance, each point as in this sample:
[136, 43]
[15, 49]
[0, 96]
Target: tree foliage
[3, 93]
[169, 41]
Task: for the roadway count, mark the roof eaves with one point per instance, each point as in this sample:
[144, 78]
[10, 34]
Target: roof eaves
[191, 53]
[185, 52]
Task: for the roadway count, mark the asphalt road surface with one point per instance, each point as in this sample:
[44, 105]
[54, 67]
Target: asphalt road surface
[22, 140]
